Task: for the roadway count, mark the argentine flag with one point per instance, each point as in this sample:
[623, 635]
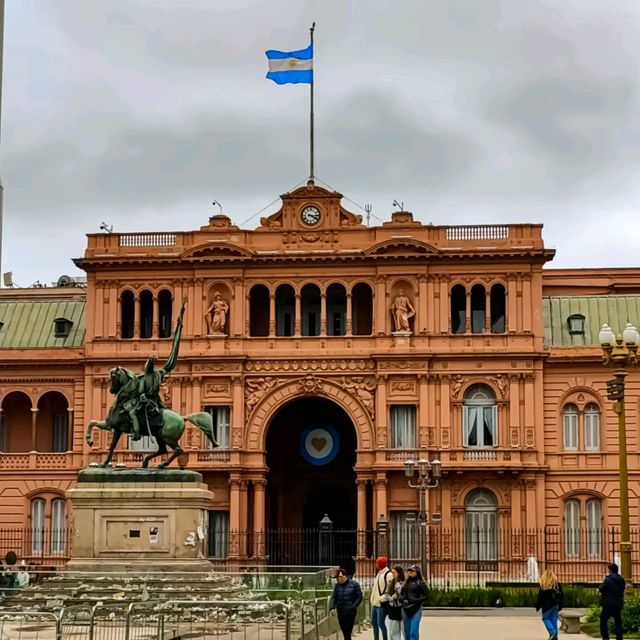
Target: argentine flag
[291, 66]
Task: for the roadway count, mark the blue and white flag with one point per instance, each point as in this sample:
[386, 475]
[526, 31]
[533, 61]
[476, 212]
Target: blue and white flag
[291, 66]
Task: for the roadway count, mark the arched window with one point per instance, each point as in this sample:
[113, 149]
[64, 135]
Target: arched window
[481, 526]
[572, 528]
[310, 305]
[362, 309]
[458, 309]
[58, 525]
[259, 305]
[336, 310]
[594, 528]
[146, 314]
[480, 417]
[37, 525]
[478, 309]
[570, 427]
[285, 310]
[498, 308]
[592, 427]
[165, 312]
[127, 312]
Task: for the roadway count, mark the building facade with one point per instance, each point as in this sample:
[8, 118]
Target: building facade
[328, 353]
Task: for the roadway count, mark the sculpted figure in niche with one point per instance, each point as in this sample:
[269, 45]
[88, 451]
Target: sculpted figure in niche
[402, 310]
[217, 314]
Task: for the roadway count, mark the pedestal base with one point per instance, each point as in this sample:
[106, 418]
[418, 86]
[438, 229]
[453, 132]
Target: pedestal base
[139, 520]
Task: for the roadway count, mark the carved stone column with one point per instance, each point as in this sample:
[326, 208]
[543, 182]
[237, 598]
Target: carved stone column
[361, 486]
[381, 413]
[70, 413]
[298, 316]
[259, 487]
[235, 484]
[34, 426]
[380, 488]
[272, 315]
[155, 333]
[323, 313]
[136, 316]
[467, 312]
[349, 325]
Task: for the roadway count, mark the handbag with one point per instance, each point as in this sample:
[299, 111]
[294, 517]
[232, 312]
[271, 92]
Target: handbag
[395, 612]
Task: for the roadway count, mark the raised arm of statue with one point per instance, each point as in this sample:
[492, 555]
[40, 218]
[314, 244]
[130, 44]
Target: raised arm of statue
[173, 356]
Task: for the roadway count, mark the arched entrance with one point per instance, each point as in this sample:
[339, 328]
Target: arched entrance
[311, 451]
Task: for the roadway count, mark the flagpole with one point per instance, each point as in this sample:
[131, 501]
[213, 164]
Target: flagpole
[311, 146]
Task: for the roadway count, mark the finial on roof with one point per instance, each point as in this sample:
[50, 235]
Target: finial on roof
[310, 183]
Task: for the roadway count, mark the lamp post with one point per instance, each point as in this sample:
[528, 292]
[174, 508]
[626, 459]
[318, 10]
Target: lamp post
[620, 352]
[428, 477]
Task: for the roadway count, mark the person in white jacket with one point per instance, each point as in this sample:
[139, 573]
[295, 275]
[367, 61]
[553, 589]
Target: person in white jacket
[379, 596]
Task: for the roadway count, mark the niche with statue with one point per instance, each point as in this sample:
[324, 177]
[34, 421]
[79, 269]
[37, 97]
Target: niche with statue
[217, 314]
[402, 308]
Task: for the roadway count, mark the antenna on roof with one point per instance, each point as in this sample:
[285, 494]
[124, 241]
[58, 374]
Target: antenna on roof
[400, 205]
[7, 278]
[218, 203]
[367, 208]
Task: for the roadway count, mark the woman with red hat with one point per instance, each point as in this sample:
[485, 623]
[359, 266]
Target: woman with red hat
[379, 598]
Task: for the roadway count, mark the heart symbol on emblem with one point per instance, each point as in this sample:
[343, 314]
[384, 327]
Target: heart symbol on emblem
[318, 443]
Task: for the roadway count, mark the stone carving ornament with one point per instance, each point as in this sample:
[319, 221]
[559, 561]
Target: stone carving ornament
[363, 389]
[216, 315]
[256, 389]
[402, 310]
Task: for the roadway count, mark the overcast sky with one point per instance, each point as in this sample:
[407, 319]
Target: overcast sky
[139, 113]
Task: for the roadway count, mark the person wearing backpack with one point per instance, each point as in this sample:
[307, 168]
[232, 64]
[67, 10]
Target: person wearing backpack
[550, 600]
[379, 598]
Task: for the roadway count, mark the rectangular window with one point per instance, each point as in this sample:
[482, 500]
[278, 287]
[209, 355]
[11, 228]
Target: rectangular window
[480, 426]
[592, 429]
[218, 541]
[221, 426]
[37, 526]
[61, 433]
[404, 536]
[403, 426]
[572, 529]
[146, 443]
[58, 526]
[570, 429]
[594, 528]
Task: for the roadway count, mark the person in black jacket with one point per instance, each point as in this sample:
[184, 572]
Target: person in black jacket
[550, 600]
[413, 595]
[612, 601]
[345, 600]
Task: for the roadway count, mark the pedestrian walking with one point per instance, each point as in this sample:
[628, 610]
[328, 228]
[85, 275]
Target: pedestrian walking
[413, 594]
[612, 601]
[345, 600]
[394, 613]
[549, 602]
[379, 598]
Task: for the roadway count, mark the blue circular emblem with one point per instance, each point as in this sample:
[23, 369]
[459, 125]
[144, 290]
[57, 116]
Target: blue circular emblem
[319, 444]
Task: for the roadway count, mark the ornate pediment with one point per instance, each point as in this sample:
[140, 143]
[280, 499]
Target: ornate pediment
[310, 210]
[217, 251]
[401, 247]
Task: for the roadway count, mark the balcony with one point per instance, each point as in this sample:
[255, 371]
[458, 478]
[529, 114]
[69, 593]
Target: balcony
[35, 461]
[461, 457]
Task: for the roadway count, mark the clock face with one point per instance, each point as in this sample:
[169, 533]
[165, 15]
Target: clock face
[310, 215]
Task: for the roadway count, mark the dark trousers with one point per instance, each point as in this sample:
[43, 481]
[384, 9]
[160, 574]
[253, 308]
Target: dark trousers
[616, 614]
[346, 620]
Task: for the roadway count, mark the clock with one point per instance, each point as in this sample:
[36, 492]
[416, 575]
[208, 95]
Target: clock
[310, 215]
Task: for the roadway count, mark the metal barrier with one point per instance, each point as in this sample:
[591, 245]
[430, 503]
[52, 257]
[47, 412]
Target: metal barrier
[35, 625]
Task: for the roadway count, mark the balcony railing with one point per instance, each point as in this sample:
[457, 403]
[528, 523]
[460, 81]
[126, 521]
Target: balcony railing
[35, 460]
[456, 456]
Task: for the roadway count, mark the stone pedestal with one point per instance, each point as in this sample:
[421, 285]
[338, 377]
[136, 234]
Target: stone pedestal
[139, 520]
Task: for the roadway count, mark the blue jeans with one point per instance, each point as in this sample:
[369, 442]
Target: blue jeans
[412, 625]
[378, 616]
[550, 620]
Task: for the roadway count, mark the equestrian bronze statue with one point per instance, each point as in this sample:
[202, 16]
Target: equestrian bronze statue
[138, 409]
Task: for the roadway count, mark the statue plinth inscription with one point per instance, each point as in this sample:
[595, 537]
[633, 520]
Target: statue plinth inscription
[134, 520]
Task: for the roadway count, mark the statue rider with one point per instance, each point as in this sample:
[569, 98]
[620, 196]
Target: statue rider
[147, 404]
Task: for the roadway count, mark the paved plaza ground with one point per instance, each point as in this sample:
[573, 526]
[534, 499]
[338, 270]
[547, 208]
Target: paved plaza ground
[482, 624]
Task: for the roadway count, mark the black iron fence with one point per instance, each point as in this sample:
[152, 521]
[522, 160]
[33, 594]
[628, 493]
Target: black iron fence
[38, 547]
[449, 557]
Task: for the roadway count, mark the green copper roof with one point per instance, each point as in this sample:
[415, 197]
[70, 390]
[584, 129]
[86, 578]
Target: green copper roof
[29, 323]
[616, 311]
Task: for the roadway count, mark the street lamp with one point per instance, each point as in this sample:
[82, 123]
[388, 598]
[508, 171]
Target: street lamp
[620, 352]
[428, 477]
